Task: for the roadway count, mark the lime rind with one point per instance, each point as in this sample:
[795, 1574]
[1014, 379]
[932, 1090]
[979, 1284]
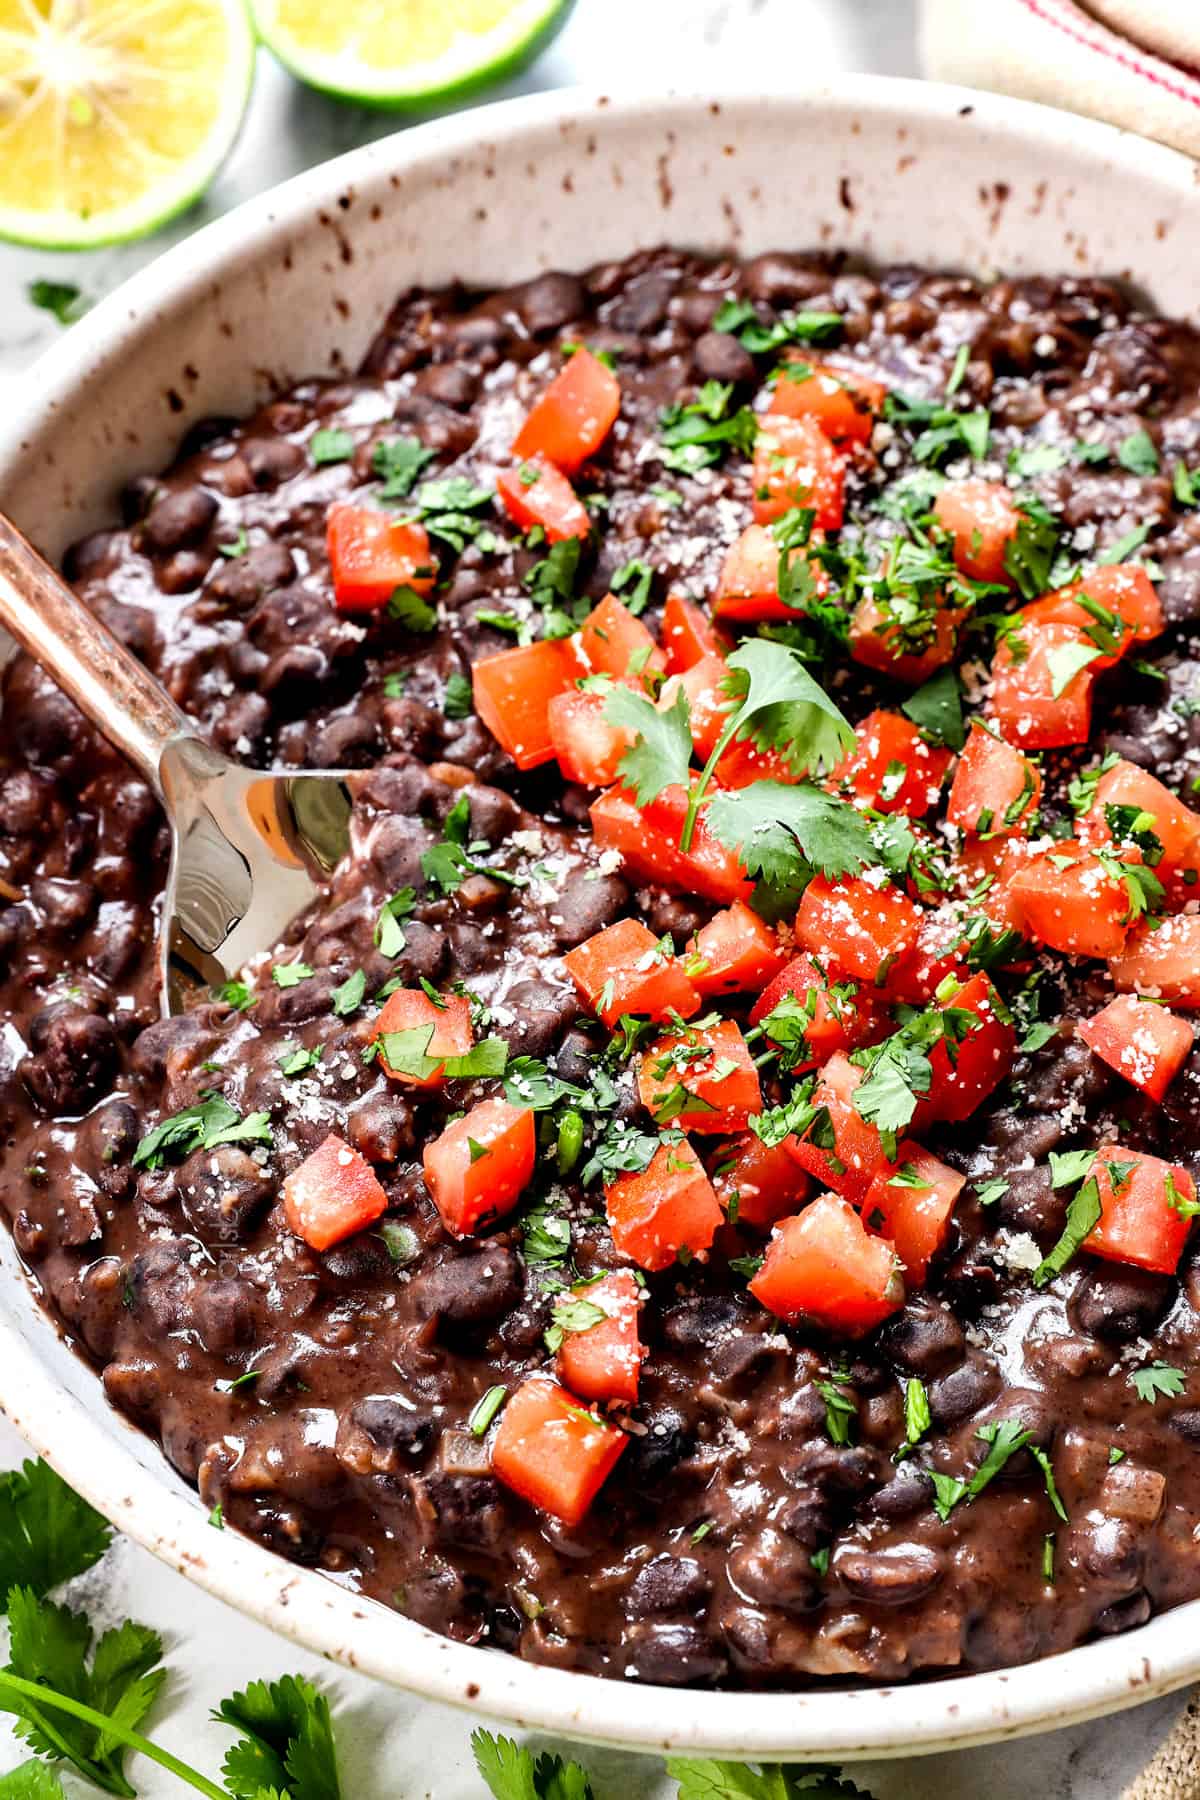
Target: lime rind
[182, 187]
[474, 62]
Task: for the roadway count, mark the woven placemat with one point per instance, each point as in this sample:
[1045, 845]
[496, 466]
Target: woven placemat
[1173, 1772]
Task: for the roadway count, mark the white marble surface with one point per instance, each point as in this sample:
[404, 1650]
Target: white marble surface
[394, 1746]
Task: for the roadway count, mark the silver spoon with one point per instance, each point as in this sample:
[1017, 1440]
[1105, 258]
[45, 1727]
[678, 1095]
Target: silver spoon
[248, 848]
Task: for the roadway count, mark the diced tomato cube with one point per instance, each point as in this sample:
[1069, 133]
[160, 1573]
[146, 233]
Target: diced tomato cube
[796, 465]
[552, 1452]
[983, 520]
[625, 969]
[912, 1207]
[833, 1016]
[744, 762]
[602, 1361]
[844, 402]
[1138, 1222]
[967, 1068]
[331, 1195]
[860, 927]
[1163, 961]
[701, 1079]
[669, 1207]
[411, 1009]
[616, 643]
[1035, 700]
[891, 767]
[708, 703]
[1175, 825]
[938, 952]
[575, 414]
[734, 952]
[648, 839]
[748, 586]
[481, 1164]
[824, 1265]
[758, 1184]
[537, 493]
[1123, 591]
[995, 789]
[879, 640]
[513, 691]
[687, 635]
[1069, 901]
[1141, 1040]
[847, 1165]
[589, 747]
[372, 553]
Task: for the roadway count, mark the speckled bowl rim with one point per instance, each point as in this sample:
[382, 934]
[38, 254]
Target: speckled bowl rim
[93, 1447]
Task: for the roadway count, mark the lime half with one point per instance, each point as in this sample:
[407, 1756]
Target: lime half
[406, 53]
[115, 114]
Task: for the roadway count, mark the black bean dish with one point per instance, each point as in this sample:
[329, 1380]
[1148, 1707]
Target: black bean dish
[708, 1196]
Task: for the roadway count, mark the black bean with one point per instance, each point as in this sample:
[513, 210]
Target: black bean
[653, 1454]
[1123, 1615]
[719, 357]
[1120, 1305]
[891, 1576]
[906, 1493]
[777, 277]
[449, 383]
[24, 803]
[1186, 1421]
[462, 1512]
[382, 1130]
[75, 1056]
[549, 302]
[954, 1397]
[469, 1289]
[382, 1434]
[774, 1572]
[668, 1584]
[224, 1193]
[586, 905]
[227, 1314]
[494, 814]
[271, 460]
[181, 517]
[675, 1653]
[925, 1339]
[161, 1286]
[241, 581]
[65, 906]
[541, 1011]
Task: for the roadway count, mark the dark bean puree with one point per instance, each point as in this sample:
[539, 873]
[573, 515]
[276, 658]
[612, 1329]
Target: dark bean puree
[736, 1542]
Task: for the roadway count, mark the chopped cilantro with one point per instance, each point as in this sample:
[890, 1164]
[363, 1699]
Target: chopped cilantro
[936, 709]
[204, 1125]
[1156, 1382]
[62, 298]
[347, 998]
[330, 447]
[1138, 453]
[411, 610]
[398, 462]
[389, 933]
[457, 699]
[290, 975]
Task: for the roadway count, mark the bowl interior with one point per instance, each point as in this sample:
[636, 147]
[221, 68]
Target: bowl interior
[296, 283]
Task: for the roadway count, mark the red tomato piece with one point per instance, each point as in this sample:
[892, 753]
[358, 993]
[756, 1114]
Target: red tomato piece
[481, 1164]
[836, 1015]
[575, 414]
[1164, 962]
[757, 1184]
[937, 953]
[734, 952]
[648, 839]
[1175, 825]
[708, 703]
[537, 493]
[616, 643]
[878, 641]
[912, 1207]
[1124, 592]
[331, 1195]
[847, 1165]
[891, 767]
[625, 969]
[966, 1069]
[1032, 701]
[589, 747]
[1141, 1040]
[796, 465]
[669, 1207]
[743, 762]
[552, 1452]
[410, 1009]
[748, 587]
[824, 1265]
[982, 519]
[1069, 901]
[687, 635]
[602, 1361]
[1138, 1223]
[701, 1079]
[995, 789]
[860, 927]
[372, 553]
[513, 691]
[844, 402]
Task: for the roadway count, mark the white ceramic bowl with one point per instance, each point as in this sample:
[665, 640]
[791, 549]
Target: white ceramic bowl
[297, 282]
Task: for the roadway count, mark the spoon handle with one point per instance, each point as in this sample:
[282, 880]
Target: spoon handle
[108, 684]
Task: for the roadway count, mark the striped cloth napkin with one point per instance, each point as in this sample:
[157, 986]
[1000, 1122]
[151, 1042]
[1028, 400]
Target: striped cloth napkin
[1135, 63]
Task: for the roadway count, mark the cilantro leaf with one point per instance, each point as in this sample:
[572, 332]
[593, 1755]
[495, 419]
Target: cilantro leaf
[1064, 661]
[1158, 1381]
[1083, 1215]
[290, 975]
[458, 699]
[780, 707]
[512, 1772]
[47, 1532]
[411, 610]
[936, 709]
[286, 1741]
[32, 1781]
[783, 833]
[696, 436]
[399, 461]
[700, 1780]
[741, 320]
[348, 997]
[49, 1646]
[389, 929]
[204, 1125]
[406, 1053]
[1029, 554]
[572, 1313]
[62, 298]
[236, 994]
[661, 753]
[1138, 453]
[330, 446]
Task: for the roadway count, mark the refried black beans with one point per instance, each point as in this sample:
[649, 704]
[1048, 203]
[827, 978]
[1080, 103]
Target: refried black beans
[952, 1421]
